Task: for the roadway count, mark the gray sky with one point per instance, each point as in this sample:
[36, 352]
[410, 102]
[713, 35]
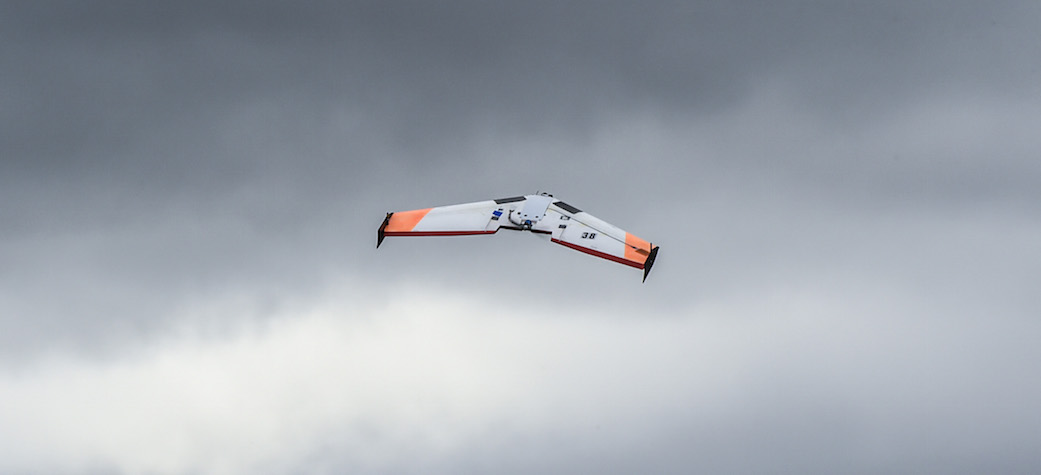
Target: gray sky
[847, 199]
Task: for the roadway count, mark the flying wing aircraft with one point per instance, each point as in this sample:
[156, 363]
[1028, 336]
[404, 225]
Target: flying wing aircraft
[539, 213]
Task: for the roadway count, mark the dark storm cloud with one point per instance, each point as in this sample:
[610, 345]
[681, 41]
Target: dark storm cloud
[431, 68]
[881, 156]
[145, 93]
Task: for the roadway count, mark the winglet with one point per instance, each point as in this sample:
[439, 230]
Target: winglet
[649, 262]
[381, 234]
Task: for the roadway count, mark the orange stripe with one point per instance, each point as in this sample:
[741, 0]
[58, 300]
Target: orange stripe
[636, 249]
[404, 221]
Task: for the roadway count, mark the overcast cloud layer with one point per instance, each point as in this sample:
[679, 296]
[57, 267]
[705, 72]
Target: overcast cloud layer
[846, 196]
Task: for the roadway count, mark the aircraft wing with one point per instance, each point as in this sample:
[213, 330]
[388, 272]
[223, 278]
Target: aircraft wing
[584, 232]
[540, 214]
[481, 217]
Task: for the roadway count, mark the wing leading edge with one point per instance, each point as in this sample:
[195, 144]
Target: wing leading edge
[540, 213]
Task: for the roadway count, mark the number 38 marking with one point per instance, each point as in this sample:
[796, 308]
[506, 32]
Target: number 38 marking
[588, 235]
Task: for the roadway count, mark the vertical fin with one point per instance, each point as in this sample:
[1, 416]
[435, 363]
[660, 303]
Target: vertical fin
[380, 234]
[649, 262]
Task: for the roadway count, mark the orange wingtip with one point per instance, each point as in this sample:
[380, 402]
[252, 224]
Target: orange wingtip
[636, 249]
[405, 221]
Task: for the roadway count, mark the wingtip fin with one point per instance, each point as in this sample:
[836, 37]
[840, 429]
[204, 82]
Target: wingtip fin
[382, 234]
[647, 264]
